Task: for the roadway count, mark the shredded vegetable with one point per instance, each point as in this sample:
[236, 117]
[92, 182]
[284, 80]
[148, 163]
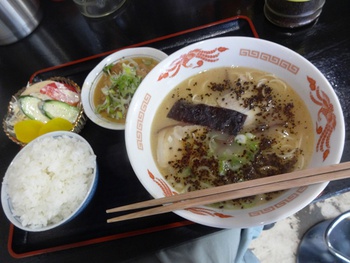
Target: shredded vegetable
[119, 93]
[239, 153]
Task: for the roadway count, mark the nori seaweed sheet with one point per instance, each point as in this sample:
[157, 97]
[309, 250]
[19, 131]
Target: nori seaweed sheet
[216, 118]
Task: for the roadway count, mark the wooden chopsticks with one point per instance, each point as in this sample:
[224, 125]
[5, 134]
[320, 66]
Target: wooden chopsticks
[234, 191]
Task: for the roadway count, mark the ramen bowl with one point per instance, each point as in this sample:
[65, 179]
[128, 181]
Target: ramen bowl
[49, 182]
[326, 118]
[95, 77]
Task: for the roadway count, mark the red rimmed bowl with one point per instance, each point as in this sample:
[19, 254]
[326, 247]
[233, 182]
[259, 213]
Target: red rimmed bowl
[327, 122]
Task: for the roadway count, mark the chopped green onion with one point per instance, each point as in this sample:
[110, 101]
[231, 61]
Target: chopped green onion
[119, 93]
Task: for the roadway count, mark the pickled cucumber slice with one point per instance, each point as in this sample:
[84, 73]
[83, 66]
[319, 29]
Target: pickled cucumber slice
[31, 107]
[55, 109]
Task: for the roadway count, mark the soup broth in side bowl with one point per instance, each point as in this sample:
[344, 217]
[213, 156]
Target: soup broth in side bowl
[117, 84]
[290, 118]
[109, 88]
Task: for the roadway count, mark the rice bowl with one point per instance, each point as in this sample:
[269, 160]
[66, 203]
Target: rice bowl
[49, 181]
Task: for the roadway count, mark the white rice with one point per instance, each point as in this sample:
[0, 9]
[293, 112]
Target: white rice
[50, 180]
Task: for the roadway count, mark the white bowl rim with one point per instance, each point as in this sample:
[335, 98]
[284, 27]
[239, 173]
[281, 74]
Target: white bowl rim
[87, 88]
[5, 197]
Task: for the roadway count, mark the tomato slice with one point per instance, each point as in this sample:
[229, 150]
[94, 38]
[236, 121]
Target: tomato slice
[61, 92]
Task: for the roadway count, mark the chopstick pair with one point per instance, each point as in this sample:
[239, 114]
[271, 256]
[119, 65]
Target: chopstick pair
[233, 191]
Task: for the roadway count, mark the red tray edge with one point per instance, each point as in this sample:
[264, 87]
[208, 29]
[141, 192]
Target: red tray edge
[94, 240]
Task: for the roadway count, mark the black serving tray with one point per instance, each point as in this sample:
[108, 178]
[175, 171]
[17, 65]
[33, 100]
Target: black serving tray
[118, 184]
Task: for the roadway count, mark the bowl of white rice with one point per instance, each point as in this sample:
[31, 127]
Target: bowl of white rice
[49, 182]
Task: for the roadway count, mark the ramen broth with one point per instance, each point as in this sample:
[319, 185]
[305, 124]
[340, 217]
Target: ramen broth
[277, 136]
[141, 65]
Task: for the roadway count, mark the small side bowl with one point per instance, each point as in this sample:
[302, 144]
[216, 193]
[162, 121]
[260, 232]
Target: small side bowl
[92, 79]
[91, 187]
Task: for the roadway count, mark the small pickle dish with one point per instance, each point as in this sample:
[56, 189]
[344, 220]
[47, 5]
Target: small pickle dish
[50, 105]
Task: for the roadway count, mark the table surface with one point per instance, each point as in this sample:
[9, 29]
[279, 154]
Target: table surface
[64, 35]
